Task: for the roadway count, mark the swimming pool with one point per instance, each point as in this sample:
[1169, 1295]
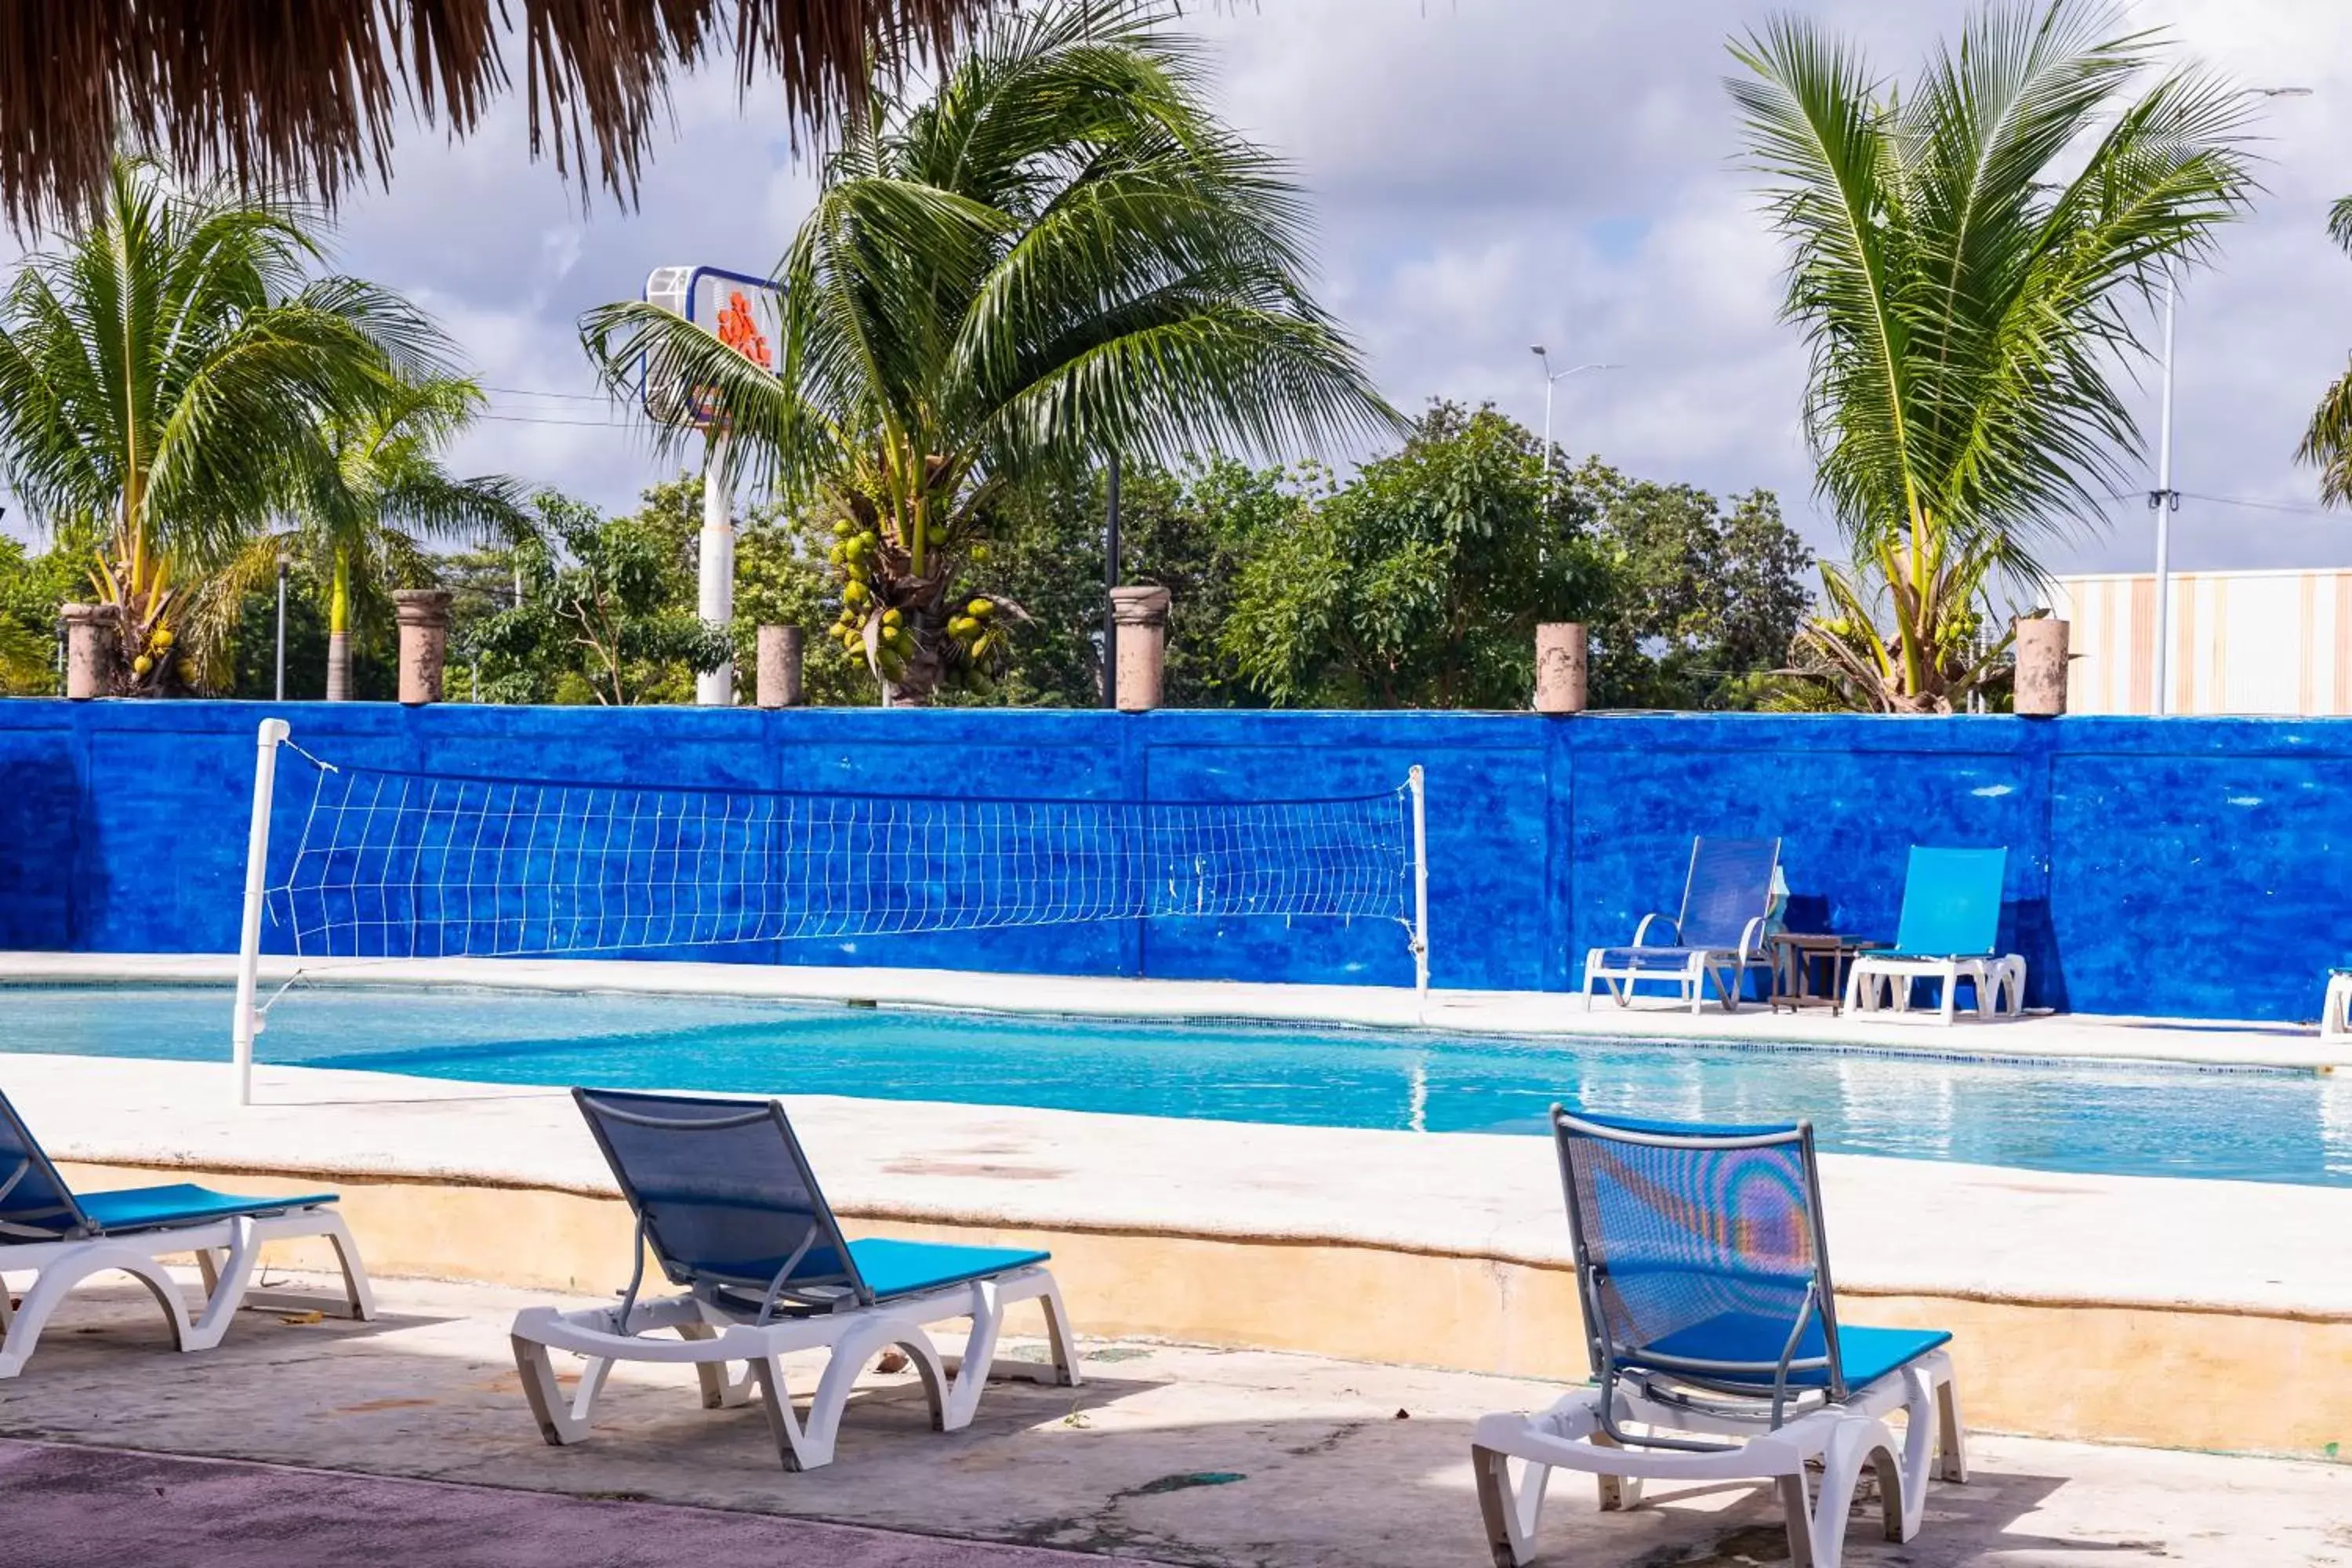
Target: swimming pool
[2125, 1118]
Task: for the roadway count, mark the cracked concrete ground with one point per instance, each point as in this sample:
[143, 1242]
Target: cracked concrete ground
[1173, 1454]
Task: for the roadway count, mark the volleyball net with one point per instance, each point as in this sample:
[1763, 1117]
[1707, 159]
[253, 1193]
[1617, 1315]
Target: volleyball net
[349, 863]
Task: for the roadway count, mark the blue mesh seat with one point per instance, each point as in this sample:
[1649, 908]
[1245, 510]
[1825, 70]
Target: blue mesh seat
[728, 1208]
[63, 1237]
[1718, 936]
[1702, 1267]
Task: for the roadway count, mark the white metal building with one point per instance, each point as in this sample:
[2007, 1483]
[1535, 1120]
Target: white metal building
[2243, 642]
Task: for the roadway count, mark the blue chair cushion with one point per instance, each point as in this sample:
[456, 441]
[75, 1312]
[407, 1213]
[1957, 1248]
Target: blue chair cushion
[155, 1208]
[1868, 1353]
[891, 1267]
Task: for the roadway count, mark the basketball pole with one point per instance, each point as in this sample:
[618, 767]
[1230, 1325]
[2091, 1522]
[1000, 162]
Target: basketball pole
[716, 568]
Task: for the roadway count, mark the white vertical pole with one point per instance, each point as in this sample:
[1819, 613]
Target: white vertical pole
[273, 734]
[1420, 886]
[716, 568]
[2165, 500]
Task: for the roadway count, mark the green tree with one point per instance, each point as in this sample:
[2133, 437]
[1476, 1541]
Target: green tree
[369, 496]
[607, 613]
[33, 588]
[1421, 581]
[782, 578]
[156, 371]
[1968, 259]
[1187, 530]
[2327, 440]
[1702, 603]
[1059, 254]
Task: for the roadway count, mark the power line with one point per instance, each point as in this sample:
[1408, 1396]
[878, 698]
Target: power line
[545, 420]
[2258, 505]
[542, 391]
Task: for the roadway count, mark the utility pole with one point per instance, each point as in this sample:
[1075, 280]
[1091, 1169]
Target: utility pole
[715, 569]
[2164, 500]
[281, 625]
[1110, 585]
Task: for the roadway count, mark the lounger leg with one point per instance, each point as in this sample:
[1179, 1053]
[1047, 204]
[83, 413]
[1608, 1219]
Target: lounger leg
[805, 1444]
[1618, 1493]
[1798, 1508]
[359, 1296]
[1060, 1341]
[720, 1391]
[1856, 1444]
[1951, 976]
[796, 1447]
[561, 1420]
[54, 1283]
[1951, 1437]
[227, 1292]
[1511, 1512]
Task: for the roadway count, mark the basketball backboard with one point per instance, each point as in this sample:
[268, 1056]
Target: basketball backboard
[745, 312]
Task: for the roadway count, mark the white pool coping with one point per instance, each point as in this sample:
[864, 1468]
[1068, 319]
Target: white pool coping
[2041, 1036]
[1899, 1226]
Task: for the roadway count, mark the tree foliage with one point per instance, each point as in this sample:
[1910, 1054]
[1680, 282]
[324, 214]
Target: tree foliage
[1058, 254]
[156, 371]
[2327, 439]
[1420, 582]
[1971, 259]
[1701, 604]
[607, 613]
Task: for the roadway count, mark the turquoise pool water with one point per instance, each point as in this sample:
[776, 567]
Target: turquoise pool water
[2123, 1117]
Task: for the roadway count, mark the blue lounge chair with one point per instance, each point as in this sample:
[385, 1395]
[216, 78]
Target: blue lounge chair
[1703, 1270]
[1950, 928]
[728, 1205]
[61, 1238]
[1727, 899]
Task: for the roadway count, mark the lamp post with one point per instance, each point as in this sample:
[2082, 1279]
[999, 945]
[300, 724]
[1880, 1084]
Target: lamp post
[2164, 500]
[1110, 587]
[1552, 378]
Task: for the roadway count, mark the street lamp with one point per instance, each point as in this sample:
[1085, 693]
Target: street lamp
[2164, 500]
[1553, 378]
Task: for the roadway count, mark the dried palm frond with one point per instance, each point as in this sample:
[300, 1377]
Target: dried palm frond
[306, 96]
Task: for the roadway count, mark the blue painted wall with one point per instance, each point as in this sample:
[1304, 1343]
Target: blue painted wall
[2180, 867]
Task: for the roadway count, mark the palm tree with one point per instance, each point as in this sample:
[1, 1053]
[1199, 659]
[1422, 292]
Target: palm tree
[2327, 441]
[367, 494]
[1970, 259]
[1058, 257]
[155, 370]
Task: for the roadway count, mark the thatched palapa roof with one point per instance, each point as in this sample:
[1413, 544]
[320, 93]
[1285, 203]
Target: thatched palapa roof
[305, 95]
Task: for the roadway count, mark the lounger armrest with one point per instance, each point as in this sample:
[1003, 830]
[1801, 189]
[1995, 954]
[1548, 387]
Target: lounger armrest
[1641, 932]
[1752, 938]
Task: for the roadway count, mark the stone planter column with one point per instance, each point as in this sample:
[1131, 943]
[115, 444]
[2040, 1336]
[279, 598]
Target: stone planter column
[1563, 660]
[780, 667]
[89, 650]
[2041, 666]
[423, 616]
[1142, 617]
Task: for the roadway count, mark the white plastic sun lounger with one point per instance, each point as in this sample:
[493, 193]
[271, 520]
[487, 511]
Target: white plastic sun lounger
[1718, 936]
[1703, 1270]
[1948, 932]
[725, 1199]
[62, 1238]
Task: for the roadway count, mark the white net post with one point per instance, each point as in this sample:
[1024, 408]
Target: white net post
[273, 734]
[1412, 782]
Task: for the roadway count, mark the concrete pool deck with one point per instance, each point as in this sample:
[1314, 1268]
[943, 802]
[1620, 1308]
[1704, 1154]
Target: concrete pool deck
[2178, 1312]
[2063, 1036]
[1169, 1453]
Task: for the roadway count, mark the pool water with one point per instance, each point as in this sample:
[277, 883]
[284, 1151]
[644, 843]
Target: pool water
[2125, 1118]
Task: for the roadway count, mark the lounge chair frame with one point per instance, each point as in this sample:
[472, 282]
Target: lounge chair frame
[2336, 1006]
[227, 1251]
[1729, 967]
[1637, 1424]
[720, 1328]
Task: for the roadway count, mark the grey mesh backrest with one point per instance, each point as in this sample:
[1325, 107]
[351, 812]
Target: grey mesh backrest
[1730, 884]
[724, 1195]
[36, 1204]
[1700, 1251]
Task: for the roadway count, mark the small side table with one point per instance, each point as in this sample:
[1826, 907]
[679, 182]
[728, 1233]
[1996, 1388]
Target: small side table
[1798, 958]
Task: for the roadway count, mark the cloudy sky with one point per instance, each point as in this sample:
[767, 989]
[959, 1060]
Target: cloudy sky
[1488, 173]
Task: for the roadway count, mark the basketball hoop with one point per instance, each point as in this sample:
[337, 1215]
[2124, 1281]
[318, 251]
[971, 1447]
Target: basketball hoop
[744, 312]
